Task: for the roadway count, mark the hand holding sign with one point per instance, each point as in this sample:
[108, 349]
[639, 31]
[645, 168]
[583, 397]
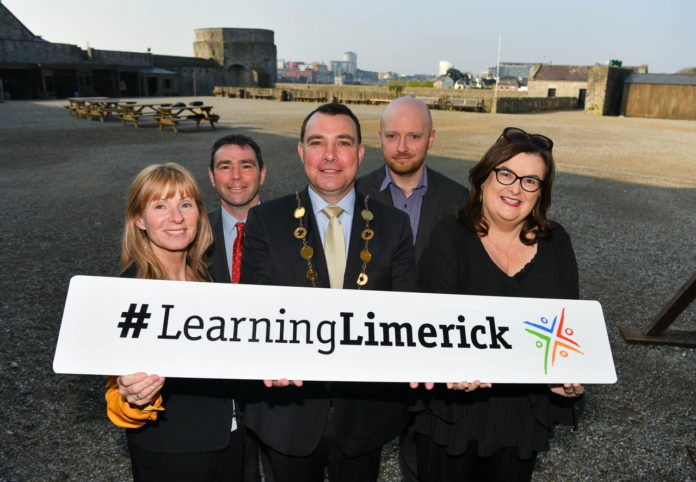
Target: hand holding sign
[568, 390]
[468, 386]
[139, 389]
[283, 382]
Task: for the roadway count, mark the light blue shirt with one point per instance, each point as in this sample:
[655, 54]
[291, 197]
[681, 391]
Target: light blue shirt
[346, 217]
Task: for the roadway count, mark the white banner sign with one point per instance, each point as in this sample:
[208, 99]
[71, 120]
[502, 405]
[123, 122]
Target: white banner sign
[209, 330]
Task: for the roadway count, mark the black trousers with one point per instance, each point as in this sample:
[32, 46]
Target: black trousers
[408, 453]
[341, 468]
[223, 465]
[436, 465]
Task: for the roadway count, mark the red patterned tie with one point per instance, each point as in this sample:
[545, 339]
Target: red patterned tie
[237, 252]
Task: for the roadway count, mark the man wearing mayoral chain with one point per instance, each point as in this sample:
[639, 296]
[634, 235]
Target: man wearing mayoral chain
[328, 235]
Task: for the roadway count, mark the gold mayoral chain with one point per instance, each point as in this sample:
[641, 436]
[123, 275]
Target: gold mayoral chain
[307, 251]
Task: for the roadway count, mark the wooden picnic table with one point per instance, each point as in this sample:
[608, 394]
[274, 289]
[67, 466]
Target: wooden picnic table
[132, 111]
[172, 115]
[78, 105]
[102, 108]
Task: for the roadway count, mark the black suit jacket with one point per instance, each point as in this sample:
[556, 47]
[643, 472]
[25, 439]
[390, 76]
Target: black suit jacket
[443, 198]
[216, 254]
[367, 415]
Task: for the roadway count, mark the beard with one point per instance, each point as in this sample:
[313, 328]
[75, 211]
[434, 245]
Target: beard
[405, 167]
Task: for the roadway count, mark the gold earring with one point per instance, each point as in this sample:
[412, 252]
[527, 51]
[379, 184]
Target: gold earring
[481, 196]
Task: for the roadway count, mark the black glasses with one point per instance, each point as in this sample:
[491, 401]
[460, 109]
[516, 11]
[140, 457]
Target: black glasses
[515, 134]
[506, 177]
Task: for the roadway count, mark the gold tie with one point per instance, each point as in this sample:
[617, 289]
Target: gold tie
[335, 247]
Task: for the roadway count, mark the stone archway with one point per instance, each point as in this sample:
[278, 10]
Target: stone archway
[239, 76]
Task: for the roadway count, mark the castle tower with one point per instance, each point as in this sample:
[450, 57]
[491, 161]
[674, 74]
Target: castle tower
[248, 55]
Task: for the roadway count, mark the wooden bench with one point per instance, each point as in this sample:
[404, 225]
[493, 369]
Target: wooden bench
[379, 101]
[102, 112]
[433, 102]
[462, 103]
[309, 98]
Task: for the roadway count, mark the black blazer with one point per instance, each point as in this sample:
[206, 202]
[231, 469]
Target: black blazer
[197, 415]
[367, 415]
[443, 198]
[216, 254]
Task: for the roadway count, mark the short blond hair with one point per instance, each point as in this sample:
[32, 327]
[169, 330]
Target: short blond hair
[162, 181]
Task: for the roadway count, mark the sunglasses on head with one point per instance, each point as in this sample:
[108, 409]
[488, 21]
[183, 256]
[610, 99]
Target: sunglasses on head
[515, 134]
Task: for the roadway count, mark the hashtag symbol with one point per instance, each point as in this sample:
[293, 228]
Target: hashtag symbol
[138, 324]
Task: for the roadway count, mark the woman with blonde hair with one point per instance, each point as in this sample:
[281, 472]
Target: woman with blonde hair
[181, 429]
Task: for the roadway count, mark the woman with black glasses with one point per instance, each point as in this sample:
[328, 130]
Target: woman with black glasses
[500, 243]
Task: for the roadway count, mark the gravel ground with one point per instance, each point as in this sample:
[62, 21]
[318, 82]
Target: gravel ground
[625, 193]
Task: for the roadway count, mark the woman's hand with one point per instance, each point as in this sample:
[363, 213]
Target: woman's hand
[468, 386]
[139, 389]
[568, 390]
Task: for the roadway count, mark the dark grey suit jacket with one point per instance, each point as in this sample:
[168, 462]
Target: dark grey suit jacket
[367, 415]
[444, 196]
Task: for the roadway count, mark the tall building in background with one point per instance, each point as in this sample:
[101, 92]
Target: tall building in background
[351, 58]
[444, 67]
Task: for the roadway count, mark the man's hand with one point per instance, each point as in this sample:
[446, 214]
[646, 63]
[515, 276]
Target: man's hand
[283, 382]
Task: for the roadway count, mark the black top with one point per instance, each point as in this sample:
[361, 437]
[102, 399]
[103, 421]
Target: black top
[197, 414]
[506, 415]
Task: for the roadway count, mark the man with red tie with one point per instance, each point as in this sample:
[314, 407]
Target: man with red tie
[237, 173]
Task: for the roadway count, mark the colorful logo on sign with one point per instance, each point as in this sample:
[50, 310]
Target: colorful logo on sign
[553, 340]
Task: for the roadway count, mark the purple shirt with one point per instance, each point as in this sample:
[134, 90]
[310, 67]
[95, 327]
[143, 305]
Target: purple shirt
[410, 205]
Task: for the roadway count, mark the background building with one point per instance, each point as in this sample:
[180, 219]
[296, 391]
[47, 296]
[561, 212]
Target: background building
[248, 55]
[519, 70]
[559, 81]
[32, 68]
[663, 96]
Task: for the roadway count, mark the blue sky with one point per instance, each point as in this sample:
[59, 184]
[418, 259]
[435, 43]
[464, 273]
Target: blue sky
[403, 36]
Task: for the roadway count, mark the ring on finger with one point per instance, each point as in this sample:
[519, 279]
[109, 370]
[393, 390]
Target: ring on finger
[136, 397]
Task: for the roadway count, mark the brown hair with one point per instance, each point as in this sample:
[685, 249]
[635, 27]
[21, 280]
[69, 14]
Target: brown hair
[157, 181]
[333, 108]
[536, 225]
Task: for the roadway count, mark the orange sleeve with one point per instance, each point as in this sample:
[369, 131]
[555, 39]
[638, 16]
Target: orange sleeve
[122, 414]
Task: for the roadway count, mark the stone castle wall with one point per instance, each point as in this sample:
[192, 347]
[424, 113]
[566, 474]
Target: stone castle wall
[605, 86]
[515, 105]
[29, 51]
[248, 56]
